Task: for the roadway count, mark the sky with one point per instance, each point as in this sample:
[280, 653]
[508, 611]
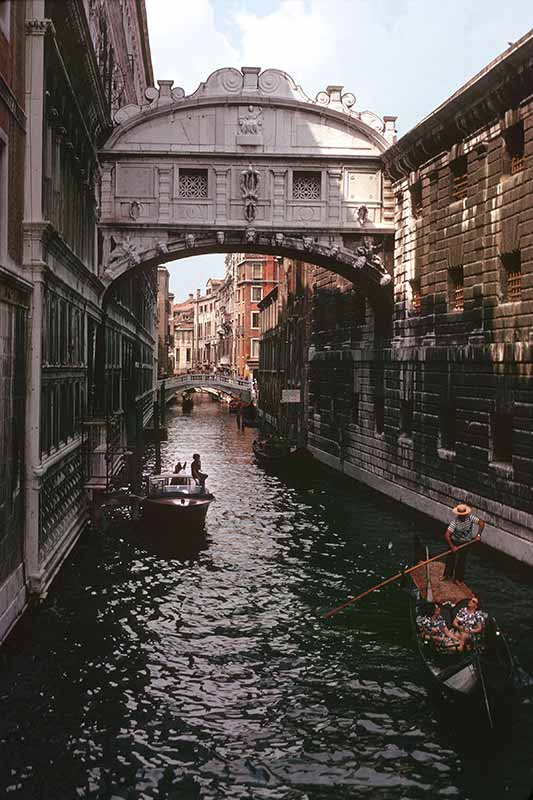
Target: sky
[399, 57]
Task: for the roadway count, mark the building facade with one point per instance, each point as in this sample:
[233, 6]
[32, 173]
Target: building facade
[430, 401]
[183, 335]
[254, 277]
[15, 298]
[66, 67]
[285, 328]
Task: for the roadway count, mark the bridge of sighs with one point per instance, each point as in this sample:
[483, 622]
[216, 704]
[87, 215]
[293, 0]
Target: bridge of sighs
[248, 162]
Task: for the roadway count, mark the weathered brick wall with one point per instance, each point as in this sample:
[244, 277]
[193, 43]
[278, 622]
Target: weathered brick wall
[472, 365]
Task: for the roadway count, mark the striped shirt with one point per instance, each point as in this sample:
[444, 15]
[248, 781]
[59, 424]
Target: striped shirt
[462, 528]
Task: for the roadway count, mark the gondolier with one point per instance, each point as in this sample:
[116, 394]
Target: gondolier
[464, 527]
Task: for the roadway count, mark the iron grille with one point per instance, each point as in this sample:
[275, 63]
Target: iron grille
[514, 285]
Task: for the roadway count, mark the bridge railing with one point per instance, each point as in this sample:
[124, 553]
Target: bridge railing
[209, 380]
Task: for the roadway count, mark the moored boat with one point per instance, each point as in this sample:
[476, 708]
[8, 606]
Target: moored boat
[187, 403]
[233, 406]
[273, 452]
[175, 503]
[485, 669]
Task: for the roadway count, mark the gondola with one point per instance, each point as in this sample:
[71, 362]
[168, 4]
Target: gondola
[187, 404]
[273, 453]
[485, 673]
[174, 503]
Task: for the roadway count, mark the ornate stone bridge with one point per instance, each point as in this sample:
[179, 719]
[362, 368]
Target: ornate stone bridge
[237, 387]
[248, 162]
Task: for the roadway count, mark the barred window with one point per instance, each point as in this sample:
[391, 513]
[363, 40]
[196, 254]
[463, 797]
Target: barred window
[306, 185]
[502, 438]
[416, 199]
[193, 183]
[456, 289]
[514, 144]
[379, 413]
[448, 427]
[406, 417]
[512, 277]
[355, 408]
[416, 303]
[459, 176]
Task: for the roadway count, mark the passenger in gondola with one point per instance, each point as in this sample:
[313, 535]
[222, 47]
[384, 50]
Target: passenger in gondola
[462, 529]
[179, 467]
[432, 626]
[470, 619]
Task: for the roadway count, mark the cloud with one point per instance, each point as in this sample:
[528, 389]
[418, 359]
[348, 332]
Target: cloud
[185, 44]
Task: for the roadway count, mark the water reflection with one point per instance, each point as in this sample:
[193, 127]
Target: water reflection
[151, 672]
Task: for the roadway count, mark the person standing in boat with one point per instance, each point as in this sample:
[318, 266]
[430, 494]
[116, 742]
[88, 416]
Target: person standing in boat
[464, 527]
[196, 470]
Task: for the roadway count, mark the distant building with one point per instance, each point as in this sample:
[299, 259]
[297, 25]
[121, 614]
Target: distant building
[285, 328]
[183, 314]
[204, 329]
[254, 277]
[164, 314]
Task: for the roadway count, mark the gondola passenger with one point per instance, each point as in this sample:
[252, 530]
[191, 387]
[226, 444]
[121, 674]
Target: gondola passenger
[432, 625]
[470, 619]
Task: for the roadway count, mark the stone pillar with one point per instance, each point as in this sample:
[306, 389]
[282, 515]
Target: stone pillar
[36, 29]
[107, 194]
[221, 195]
[279, 204]
[165, 194]
[33, 426]
[334, 195]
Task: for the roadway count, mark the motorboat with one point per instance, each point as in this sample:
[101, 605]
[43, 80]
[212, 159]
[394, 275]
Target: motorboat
[175, 502]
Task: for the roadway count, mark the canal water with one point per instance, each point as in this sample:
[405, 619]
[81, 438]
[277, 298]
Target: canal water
[149, 672]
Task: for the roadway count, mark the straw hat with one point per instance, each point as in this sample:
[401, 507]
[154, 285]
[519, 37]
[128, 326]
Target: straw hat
[462, 510]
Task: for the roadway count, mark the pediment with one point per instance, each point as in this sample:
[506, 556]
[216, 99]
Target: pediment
[250, 112]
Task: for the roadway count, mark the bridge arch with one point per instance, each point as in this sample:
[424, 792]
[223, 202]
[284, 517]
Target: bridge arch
[248, 162]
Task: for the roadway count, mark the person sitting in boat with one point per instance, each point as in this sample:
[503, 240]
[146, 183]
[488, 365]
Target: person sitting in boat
[179, 467]
[469, 619]
[462, 529]
[432, 625]
[196, 470]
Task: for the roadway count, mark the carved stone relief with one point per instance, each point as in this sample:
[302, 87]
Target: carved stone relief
[250, 126]
[249, 183]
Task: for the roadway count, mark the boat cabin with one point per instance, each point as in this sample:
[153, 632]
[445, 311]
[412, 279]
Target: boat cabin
[173, 484]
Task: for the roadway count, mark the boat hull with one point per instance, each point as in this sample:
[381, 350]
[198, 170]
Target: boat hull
[176, 515]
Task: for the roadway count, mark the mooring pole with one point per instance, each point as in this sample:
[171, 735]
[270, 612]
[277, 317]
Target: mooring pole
[157, 436]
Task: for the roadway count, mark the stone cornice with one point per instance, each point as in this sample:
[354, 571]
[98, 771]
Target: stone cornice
[145, 42]
[78, 20]
[503, 84]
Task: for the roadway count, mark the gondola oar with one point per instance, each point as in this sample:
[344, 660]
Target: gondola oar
[479, 670]
[394, 578]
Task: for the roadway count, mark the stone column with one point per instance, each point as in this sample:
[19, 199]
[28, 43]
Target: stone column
[165, 194]
[334, 195]
[221, 195]
[279, 204]
[36, 29]
[33, 425]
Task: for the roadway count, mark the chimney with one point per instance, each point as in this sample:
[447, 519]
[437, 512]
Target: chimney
[198, 293]
[191, 296]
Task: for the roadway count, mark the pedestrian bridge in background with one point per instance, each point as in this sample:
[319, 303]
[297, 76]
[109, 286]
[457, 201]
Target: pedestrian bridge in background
[236, 387]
